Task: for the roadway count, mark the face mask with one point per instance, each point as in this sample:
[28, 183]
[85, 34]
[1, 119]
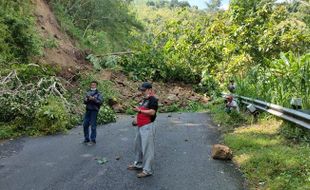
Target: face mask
[93, 89]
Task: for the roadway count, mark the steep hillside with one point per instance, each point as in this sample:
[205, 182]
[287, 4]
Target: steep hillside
[62, 51]
[65, 55]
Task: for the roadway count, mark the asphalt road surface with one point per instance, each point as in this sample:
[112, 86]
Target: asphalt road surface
[182, 159]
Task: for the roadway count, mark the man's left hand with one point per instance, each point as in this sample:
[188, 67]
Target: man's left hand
[137, 109]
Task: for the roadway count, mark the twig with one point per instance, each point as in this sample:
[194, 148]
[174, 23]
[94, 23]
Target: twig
[116, 53]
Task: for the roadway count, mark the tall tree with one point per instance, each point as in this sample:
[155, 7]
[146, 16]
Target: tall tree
[213, 5]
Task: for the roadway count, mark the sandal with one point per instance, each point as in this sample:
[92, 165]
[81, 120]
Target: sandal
[133, 167]
[143, 174]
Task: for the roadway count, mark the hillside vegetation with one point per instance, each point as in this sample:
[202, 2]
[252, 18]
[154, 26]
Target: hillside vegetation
[51, 50]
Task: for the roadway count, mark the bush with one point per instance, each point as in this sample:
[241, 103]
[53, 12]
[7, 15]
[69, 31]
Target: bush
[103, 62]
[286, 78]
[208, 85]
[150, 63]
[195, 106]
[7, 130]
[52, 117]
[171, 108]
[18, 105]
[105, 115]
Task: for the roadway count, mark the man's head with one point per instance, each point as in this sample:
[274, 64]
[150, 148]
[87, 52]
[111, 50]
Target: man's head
[229, 98]
[146, 88]
[93, 85]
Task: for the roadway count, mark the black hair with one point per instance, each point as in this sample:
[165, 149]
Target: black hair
[94, 82]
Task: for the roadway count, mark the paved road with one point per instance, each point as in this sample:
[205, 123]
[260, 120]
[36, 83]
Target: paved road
[183, 143]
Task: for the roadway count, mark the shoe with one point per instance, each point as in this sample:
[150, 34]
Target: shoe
[86, 141]
[143, 174]
[93, 141]
[133, 167]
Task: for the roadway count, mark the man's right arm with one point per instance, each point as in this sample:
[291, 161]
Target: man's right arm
[86, 100]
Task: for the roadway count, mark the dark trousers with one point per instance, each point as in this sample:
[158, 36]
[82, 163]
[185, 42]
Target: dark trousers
[90, 119]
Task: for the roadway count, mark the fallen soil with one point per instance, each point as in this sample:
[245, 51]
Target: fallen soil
[169, 94]
[65, 56]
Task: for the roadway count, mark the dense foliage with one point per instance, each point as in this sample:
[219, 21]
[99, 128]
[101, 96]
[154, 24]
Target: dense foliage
[284, 78]
[18, 39]
[251, 37]
[98, 25]
[33, 99]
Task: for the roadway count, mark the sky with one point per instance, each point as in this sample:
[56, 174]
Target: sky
[201, 3]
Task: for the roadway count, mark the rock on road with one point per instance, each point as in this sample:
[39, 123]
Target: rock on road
[182, 159]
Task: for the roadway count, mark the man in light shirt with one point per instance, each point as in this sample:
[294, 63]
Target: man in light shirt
[231, 104]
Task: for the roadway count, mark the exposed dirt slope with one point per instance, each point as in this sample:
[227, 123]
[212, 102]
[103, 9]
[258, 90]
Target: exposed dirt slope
[65, 55]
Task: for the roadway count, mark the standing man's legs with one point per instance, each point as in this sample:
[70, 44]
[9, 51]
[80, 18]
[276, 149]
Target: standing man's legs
[93, 123]
[138, 163]
[148, 147]
[86, 125]
[138, 150]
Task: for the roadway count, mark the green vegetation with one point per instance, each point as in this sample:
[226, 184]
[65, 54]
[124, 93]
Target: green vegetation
[34, 100]
[231, 120]
[52, 117]
[219, 45]
[45, 107]
[192, 106]
[253, 42]
[99, 25]
[106, 115]
[19, 42]
[285, 78]
[264, 150]
[262, 44]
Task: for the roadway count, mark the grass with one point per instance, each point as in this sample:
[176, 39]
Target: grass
[264, 153]
[51, 42]
[230, 121]
[192, 106]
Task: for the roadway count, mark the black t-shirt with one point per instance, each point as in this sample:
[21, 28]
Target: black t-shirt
[151, 103]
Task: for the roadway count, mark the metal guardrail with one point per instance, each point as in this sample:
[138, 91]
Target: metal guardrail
[294, 116]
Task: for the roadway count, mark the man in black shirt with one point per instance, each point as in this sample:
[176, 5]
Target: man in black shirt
[145, 135]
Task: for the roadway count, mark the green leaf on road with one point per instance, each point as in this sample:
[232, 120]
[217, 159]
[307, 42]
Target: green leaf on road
[102, 160]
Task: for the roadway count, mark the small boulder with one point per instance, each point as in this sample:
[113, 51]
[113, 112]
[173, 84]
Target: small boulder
[205, 99]
[173, 97]
[118, 108]
[221, 152]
